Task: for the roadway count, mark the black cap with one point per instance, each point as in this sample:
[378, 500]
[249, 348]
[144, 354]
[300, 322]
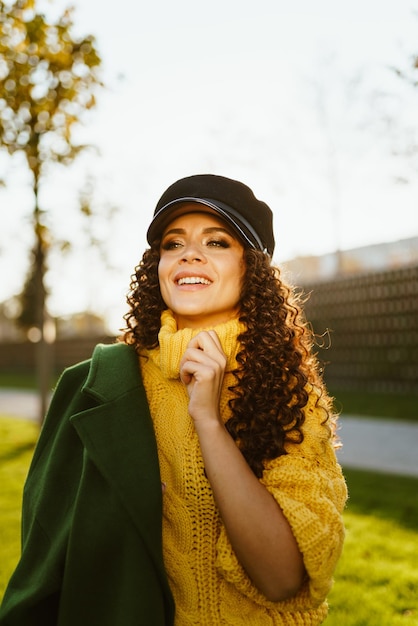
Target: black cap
[251, 218]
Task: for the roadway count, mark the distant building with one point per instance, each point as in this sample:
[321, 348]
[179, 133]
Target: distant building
[374, 258]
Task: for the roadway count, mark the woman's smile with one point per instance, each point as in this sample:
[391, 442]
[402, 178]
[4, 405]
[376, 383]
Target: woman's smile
[185, 279]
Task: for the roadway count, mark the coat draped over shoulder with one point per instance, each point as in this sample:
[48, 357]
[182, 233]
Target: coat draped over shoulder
[92, 506]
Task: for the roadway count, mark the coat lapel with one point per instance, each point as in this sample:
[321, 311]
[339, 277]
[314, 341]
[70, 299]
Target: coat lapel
[119, 437]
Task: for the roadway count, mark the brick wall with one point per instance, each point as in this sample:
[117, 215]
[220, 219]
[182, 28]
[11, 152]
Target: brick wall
[372, 321]
[20, 357]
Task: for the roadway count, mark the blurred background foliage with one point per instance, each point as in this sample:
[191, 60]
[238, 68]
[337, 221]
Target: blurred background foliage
[49, 81]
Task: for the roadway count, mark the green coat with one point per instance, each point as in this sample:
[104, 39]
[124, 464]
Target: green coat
[92, 508]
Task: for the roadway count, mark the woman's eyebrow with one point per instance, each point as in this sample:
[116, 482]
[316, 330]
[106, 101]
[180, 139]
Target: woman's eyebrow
[206, 231]
[216, 229]
[175, 231]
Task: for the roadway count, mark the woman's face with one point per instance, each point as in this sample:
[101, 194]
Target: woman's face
[200, 270]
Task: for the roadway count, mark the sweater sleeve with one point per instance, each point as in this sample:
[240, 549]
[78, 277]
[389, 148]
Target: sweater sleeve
[309, 487]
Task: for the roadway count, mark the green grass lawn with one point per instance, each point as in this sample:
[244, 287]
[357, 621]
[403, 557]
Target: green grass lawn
[17, 441]
[23, 380]
[387, 405]
[18, 381]
[376, 582]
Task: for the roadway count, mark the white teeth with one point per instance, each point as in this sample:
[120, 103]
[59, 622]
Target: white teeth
[193, 280]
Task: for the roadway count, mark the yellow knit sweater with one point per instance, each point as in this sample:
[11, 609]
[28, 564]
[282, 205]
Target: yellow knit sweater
[209, 586]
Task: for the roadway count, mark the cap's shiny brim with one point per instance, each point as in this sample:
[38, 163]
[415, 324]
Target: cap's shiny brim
[165, 215]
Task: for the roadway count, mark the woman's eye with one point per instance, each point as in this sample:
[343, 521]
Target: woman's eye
[174, 244]
[218, 243]
[171, 245]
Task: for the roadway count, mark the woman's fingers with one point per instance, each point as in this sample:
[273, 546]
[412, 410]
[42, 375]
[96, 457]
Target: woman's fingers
[207, 341]
[204, 356]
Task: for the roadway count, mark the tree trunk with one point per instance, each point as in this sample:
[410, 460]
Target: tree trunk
[44, 364]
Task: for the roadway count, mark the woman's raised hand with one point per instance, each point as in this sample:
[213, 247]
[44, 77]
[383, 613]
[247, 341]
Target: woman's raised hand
[202, 370]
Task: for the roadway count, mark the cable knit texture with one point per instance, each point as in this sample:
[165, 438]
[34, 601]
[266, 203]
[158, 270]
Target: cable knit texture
[209, 586]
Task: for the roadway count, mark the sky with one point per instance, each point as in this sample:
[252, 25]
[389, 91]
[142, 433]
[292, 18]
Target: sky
[297, 99]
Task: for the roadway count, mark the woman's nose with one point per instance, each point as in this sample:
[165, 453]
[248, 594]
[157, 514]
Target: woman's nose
[193, 253]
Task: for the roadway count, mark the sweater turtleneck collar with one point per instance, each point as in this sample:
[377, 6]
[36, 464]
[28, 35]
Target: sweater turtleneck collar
[173, 343]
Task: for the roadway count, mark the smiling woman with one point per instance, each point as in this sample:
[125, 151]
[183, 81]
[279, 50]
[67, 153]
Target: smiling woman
[202, 485]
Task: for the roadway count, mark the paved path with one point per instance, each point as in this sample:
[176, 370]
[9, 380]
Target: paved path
[21, 403]
[379, 444]
[373, 444]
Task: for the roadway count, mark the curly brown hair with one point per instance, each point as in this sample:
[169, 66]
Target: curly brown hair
[275, 361]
